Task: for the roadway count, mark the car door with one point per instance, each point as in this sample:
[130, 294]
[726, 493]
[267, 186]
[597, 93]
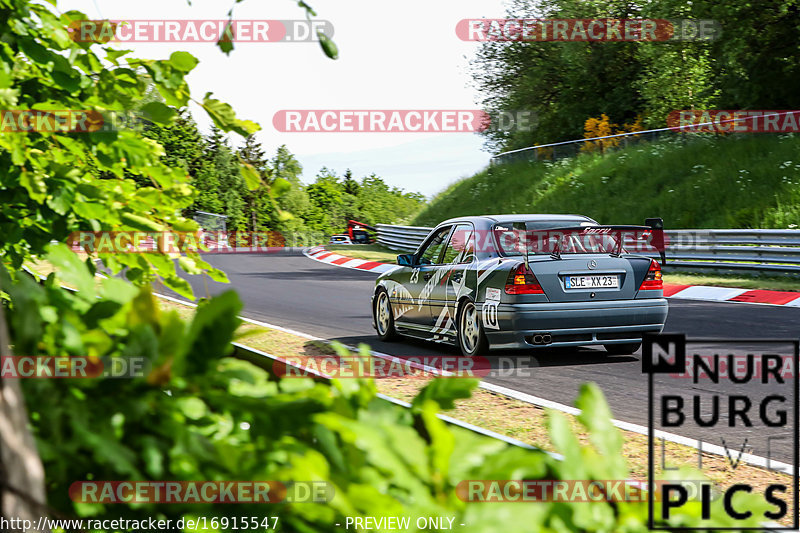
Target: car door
[421, 279]
[459, 253]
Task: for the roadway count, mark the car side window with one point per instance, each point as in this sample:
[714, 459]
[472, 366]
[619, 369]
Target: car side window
[430, 255]
[461, 248]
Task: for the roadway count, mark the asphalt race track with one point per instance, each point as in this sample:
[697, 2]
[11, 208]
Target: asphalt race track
[334, 303]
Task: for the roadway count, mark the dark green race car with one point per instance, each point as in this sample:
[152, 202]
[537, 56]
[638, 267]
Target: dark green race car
[526, 281]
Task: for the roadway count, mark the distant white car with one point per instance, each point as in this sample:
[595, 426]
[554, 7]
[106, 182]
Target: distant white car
[340, 239]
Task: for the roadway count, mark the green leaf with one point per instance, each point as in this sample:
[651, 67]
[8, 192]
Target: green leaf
[444, 391]
[225, 41]
[279, 187]
[179, 285]
[33, 182]
[442, 442]
[566, 443]
[596, 417]
[328, 46]
[251, 176]
[307, 7]
[283, 216]
[211, 331]
[140, 222]
[71, 269]
[188, 265]
[113, 54]
[62, 199]
[158, 112]
[193, 408]
[225, 119]
[183, 61]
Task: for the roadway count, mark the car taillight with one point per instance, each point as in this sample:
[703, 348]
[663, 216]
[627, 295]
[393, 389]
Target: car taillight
[522, 281]
[652, 281]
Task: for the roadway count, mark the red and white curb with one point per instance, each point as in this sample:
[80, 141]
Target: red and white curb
[320, 254]
[728, 294]
[683, 292]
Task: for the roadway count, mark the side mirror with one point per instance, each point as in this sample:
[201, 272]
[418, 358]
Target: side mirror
[405, 260]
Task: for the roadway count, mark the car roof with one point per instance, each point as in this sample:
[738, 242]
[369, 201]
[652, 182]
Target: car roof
[520, 217]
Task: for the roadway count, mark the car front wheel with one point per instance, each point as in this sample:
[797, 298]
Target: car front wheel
[471, 338]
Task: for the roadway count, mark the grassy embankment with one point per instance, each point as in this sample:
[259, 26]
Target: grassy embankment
[709, 182]
[744, 182]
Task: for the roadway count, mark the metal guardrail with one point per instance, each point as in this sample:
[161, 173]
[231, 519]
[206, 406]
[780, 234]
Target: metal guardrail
[565, 149]
[402, 238]
[764, 251]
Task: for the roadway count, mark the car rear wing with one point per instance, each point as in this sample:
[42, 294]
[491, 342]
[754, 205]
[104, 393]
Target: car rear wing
[633, 238]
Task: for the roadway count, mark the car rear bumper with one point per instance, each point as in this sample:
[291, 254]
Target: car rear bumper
[577, 323]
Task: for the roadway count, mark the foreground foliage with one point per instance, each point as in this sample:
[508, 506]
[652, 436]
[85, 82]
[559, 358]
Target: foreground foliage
[199, 415]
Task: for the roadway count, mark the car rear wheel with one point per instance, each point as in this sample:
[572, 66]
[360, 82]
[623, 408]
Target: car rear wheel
[384, 319]
[622, 349]
[471, 338]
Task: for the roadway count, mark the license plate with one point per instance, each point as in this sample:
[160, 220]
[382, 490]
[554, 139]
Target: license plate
[592, 282]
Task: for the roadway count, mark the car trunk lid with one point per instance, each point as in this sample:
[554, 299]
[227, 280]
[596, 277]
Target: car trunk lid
[583, 277]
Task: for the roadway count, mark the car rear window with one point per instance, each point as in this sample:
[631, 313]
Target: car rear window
[509, 237]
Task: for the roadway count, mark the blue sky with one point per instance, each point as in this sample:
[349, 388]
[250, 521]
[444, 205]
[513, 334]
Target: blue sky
[392, 56]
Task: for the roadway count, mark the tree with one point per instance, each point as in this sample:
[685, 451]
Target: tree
[350, 184]
[253, 154]
[752, 65]
[230, 184]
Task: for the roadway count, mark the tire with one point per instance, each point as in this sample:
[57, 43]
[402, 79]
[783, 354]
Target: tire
[383, 316]
[622, 349]
[471, 338]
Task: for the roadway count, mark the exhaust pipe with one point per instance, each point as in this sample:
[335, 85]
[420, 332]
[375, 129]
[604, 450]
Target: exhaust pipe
[545, 338]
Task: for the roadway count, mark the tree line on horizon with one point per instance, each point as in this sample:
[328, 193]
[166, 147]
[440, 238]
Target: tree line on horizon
[283, 202]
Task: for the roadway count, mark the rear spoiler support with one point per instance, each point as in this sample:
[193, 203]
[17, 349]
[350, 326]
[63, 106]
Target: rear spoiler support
[658, 236]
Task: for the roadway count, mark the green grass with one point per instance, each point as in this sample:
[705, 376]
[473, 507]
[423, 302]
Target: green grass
[710, 182]
[369, 252]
